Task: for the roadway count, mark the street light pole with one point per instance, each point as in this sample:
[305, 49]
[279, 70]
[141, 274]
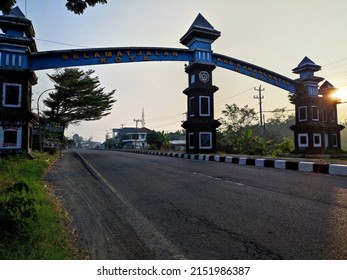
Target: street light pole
[38, 115]
[38, 100]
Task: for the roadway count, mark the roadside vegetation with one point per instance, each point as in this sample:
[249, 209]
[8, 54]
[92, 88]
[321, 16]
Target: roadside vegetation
[33, 226]
[239, 132]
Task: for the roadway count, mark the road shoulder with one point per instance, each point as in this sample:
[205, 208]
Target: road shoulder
[94, 212]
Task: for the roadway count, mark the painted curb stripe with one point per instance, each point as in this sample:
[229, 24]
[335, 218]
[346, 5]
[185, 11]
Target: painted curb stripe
[304, 166]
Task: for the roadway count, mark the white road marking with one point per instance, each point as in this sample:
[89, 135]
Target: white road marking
[219, 179]
[150, 162]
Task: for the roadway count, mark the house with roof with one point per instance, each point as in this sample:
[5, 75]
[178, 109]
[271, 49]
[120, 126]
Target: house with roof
[178, 145]
[131, 137]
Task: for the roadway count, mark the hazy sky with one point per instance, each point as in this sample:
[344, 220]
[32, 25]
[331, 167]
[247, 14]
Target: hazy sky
[272, 34]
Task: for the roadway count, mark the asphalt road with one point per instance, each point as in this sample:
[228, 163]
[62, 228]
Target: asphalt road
[150, 207]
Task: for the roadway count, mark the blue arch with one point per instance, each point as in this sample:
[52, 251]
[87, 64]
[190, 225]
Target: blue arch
[97, 56]
[254, 71]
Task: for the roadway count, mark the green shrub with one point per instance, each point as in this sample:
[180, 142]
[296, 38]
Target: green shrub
[285, 147]
[17, 208]
[33, 225]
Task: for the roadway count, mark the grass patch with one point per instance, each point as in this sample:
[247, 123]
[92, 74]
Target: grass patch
[47, 237]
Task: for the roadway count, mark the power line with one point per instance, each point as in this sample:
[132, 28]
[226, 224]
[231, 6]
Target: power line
[163, 117]
[336, 61]
[166, 124]
[334, 67]
[234, 95]
[60, 43]
[342, 73]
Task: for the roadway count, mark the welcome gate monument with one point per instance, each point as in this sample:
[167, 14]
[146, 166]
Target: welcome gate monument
[316, 130]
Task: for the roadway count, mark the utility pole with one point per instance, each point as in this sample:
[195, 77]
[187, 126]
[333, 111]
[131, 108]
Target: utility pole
[121, 132]
[120, 141]
[143, 123]
[136, 121]
[260, 97]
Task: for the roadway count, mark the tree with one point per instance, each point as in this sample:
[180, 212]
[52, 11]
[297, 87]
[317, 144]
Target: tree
[77, 97]
[235, 132]
[153, 139]
[77, 140]
[165, 141]
[177, 135]
[236, 118]
[238, 133]
[111, 144]
[76, 6]
[277, 127]
[158, 140]
[6, 5]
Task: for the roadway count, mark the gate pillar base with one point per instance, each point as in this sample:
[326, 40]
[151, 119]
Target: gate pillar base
[201, 136]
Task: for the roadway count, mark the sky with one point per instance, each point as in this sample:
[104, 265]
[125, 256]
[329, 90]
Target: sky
[272, 34]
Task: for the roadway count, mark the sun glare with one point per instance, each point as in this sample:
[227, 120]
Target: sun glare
[341, 94]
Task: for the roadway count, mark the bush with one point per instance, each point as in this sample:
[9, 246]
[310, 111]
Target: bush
[43, 234]
[285, 147]
[16, 210]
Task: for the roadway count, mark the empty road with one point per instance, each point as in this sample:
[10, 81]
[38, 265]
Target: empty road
[139, 206]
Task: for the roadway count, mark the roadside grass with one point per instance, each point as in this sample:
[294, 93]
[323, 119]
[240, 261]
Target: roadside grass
[48, 237]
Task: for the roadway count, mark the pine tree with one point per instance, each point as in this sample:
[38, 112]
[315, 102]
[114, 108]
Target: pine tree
[77, 97]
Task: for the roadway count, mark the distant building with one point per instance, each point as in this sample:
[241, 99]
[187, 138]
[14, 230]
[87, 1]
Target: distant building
[178, 145]
[93, 145]
[130, 137]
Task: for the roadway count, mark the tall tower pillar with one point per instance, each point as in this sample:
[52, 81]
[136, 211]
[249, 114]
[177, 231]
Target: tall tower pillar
[16, 80]
[200, 125]
[316, 129]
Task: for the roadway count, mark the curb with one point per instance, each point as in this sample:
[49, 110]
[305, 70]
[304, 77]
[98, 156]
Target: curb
[303, 166]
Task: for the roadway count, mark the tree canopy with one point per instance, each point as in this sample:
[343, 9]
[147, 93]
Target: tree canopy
[76, 6]
[6, 5]
[239, 132]
[77, 97]
[236, 118]
[158, 140]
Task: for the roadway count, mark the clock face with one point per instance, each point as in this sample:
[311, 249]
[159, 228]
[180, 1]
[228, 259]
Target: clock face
[204, 76]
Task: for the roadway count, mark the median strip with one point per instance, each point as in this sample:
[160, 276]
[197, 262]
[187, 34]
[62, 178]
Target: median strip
[303, 166]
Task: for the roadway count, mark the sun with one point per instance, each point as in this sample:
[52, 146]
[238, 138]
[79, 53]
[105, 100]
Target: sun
[341, 93]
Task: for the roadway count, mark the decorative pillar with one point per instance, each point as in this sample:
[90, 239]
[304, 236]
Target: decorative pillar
[200, 125]
[316, 129]
[328, 105]
[16, 80]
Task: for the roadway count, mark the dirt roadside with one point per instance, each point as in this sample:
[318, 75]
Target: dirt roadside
[95, 216]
